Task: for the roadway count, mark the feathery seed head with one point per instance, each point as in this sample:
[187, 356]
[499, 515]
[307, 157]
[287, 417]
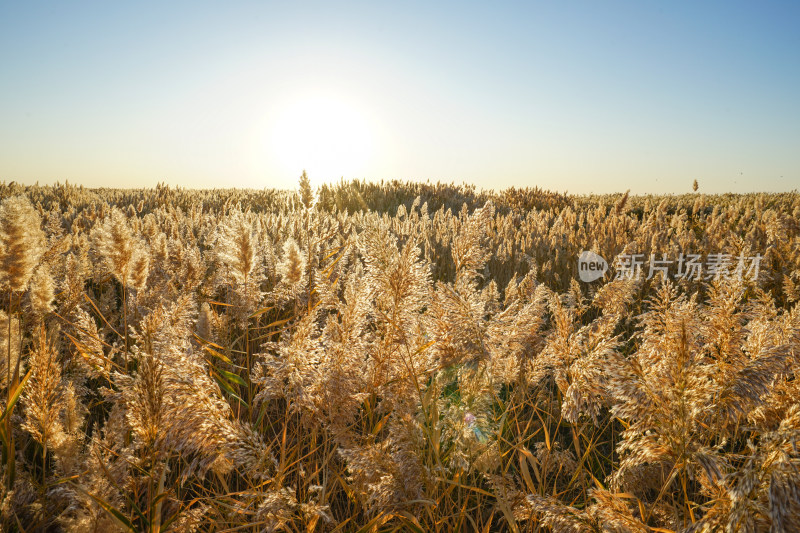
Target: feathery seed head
[293, 265]
[21, 242]
[42, 291]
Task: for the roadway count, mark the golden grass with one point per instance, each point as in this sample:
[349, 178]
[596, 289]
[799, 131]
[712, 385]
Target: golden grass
[387, 357]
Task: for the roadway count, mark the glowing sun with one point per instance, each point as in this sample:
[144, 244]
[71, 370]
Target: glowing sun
[326, 136]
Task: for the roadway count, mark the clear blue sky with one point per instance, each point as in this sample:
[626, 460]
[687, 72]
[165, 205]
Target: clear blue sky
[578, 96]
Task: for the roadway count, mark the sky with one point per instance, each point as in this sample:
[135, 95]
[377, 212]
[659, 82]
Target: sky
[575, 96]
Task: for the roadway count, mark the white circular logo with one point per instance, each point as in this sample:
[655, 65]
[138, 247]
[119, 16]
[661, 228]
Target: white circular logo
[591, 266]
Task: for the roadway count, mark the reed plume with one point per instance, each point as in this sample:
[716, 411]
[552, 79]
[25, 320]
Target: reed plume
[21, 243]
[115, 245]
[293, 265]
[236, 246]
[44, 396]
[398, 356]
[10, 346]
[42, 291]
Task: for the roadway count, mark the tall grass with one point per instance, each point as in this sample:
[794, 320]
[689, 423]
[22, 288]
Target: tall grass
[382, 357]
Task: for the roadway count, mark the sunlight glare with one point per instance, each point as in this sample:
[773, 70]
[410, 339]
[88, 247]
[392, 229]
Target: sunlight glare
[326, 136]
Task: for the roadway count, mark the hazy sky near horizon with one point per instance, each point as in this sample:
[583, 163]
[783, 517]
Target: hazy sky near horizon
[577, 96]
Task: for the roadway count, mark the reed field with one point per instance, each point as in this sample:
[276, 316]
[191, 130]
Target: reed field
[396, 357]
